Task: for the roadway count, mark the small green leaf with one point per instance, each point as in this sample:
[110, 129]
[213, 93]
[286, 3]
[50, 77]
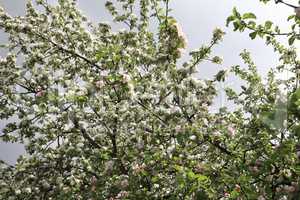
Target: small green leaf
[221, 75]
[249, 16]
[236, 13]
[253, 35]
[292, 40]
[291, 17]
[268, 24]
[236, 25]
[230, 19]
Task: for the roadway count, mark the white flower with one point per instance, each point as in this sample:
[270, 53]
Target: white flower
[140, 144]
[109, 165]
[205, 122]
[122, 195]
[35, 108]
[261, 197]
[137, 168]
[18, 192]
[126, 78]
[175, 109]
[193, 137]
[83, 92]
[216, 133]
[45, 184]
[170, 149]
[181, 34]
[289, 188]
[231, 131]
[40, 93]
[99, 84]
[124, 183]
[27, 190]
[80, 145]
[178, 129]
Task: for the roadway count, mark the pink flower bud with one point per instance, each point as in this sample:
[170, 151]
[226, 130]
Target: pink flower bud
[231, 131]
[237, 188]
[261, 197]
[126, 78]
[124, 183]
[39, 93]
[258, 163]
[289, 189]
[278, 189]
[93, 183]
[178, 129]
[254, 169]
[99, 84]
[109, 165]
[226, 194]
[216, 133]
[122, 194]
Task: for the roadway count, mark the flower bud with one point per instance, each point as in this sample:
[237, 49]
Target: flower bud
[193, 137]
[254, 169]
[231, 131]
[39, 93]
[261, 197]
[289, 189]
[109, 165]
[99, 84]
[126, 78]
[237, 188]
[124, 183]
[226, 194]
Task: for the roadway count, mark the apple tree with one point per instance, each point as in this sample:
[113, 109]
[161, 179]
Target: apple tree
[108, 113]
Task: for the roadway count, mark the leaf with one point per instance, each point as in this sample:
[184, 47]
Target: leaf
[297, 169]
[236, 25]
[268, 24]
[236, 13]
[292, 40]
[253, 35]
[296, 130]
[230, 19]
[220, 75]
[248, 16]
[290, 17]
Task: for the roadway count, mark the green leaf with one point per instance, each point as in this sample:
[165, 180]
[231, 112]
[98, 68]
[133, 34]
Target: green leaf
[248, 16]
[230, 19]
[236, 25]
[291, 17]
[253, 35]
[220, 75]
[268, 24]
[292, 40]
[236, 13]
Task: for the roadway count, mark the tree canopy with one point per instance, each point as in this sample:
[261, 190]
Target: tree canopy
[113, 114]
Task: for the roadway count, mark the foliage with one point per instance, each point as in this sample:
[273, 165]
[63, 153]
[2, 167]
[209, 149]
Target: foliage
[108, 114]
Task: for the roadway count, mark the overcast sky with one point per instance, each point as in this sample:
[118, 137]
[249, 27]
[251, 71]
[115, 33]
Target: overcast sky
[198, 18]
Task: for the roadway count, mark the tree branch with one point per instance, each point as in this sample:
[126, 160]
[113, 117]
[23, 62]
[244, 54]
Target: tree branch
[84, 133]
[73, 53]
[287, 4]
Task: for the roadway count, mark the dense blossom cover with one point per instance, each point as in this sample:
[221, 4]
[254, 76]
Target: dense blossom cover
[112, 114]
